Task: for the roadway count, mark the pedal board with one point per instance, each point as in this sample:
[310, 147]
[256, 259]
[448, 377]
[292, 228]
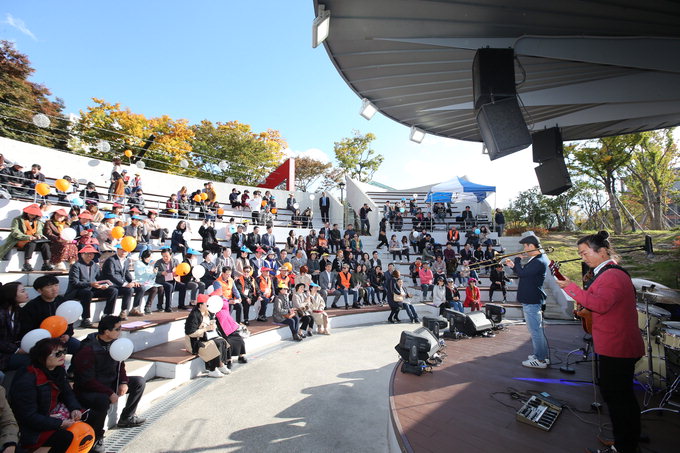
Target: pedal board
[539, 412]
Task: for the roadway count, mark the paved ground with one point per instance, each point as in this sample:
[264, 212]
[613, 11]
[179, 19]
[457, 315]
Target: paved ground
[325, 394]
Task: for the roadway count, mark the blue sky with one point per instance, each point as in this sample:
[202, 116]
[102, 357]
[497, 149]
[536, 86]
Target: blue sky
[250, 61]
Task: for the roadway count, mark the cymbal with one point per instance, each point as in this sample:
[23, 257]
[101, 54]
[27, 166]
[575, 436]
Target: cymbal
[662, 295]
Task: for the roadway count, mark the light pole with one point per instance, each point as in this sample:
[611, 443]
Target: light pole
[342, 192]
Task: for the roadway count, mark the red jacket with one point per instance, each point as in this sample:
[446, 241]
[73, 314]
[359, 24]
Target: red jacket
[472, 295]
[611, 298]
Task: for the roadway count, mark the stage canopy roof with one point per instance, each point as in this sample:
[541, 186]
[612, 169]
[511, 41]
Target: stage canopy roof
[458, 189]
[592, 68]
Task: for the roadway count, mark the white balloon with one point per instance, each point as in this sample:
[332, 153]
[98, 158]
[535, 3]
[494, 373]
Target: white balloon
[41, 120]
[184, 163]
[296, 205]
[70, 310]
[68, 234]
[215, 304]
[223, 165]
[312, 197]
[103, 146]
[140, 164]
[32, 337]
[121, 349]
[415, 195]
[198, 271]
[187, 236]
[72, 196]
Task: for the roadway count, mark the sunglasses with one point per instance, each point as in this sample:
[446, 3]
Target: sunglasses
[57, 354]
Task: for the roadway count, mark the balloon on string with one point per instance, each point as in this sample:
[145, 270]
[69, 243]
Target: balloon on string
[62, 184]
[68, 234]
[121, 349]
[477, 231]
[198, 272]
[312, 197]
[197, 198]
[83, 437]
[42, 189]
[103, 146]
[296, 205]
[41, 120]
[77, 201]
[128, 243]
[187, 236]
[128, 153]
[415, 195]
[70, 311]
[274, 210]
[55, 325]
[220, 211]
[183, 269]
[184, 163]
[140, 164]
[32, 337]
[117, 232]
[204, 196]
[215, 304]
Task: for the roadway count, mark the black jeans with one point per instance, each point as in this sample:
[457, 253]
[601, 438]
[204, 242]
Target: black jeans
[60, 441]
[85, 296]
[263, 306]
[306, 322]
[126, 293]
[151, 292]
[223, 358]
[98, 403]
[616, 387]
[42, 247]
[495, 286]
[168, 288]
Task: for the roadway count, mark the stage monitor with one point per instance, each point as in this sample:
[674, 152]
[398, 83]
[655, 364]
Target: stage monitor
[470, 324]
[503, 128]
[553, 176]
[547, 144]
[424, 341]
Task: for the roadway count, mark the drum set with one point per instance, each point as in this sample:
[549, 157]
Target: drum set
[659, 369]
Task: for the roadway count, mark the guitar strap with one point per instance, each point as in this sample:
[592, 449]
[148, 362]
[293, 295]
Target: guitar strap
[590, 281]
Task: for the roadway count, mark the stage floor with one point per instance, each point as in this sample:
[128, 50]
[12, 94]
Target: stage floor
[453, 409]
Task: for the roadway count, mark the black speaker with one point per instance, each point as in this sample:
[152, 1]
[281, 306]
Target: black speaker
[494, 312]
[503, 128]
[470, 324]
[435, 325]
[553, 176]
[547, 144]
[493, 75]
[425, 342]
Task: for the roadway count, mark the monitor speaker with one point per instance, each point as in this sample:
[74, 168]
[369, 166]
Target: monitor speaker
[553, 176]
[547, 144]
[493, 75]
[470, 324]
[435, 324]
[425, 342]
[503, 128]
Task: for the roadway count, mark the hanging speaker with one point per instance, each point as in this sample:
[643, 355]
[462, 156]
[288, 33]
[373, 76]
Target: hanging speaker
[547, 144]
[553, 176]
[502, 127]
[493, 75]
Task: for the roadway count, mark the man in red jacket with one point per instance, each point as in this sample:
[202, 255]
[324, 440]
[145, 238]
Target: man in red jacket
[100, 380]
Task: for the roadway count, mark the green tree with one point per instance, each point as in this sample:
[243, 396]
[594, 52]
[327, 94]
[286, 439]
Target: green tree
[25, 99]
[652, 174]
[604, 160]
[249, 156]
[308, 171]
[356, 158]
[529, 208]
[562, 206]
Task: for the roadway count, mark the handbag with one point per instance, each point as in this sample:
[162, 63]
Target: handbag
[398, 298]
[208, 350]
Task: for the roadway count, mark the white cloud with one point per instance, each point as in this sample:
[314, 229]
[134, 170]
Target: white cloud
[314, 153]
[19, 25]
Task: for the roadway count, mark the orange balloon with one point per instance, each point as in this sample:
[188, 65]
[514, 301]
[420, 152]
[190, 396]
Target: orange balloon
[220, 211]
[83, 438]
[182, 269]
[204, 196]
[42, 189]
[117, 232]
[263, 204]
[274, 210]
[55, 325]
[128, 153]
[128, 243]
[62, 184]
[197, 198]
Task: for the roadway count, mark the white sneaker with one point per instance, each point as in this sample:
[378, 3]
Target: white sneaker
[535, 364]
[533, 357]
[215, 373]
[224, 370]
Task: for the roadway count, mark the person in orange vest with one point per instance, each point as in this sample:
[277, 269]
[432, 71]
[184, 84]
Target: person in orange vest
[453, 237]
[246, 286]
[229, 291]
[265, 292]
[344, 286]
[284, 278]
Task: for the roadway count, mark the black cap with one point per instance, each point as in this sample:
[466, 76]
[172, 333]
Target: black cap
[530, 240]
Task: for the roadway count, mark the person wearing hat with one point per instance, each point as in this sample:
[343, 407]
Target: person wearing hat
[107, 243]
[265, 292]
[12, 179]
[317, 305]
[137, 229]
[155, 230]
[258, 261]
[473, 296]
[85, 281]
[247, 288]
[532, 297]
[314, 265]
[117, 270]
[271, 261]
[62, 250]
[193, 285]
[89, 193]
[166, 277]
[85, 229]
[202, 336]
[498, 280]
[242, 261]
[453, 297]
[27, 235]
[285, 313]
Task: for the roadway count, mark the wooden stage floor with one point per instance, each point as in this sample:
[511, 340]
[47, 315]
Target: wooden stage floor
[453, 409]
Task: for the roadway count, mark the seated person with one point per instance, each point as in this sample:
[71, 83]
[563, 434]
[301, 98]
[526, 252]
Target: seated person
[100, 380]
[498, 280]
[27, 235]
[473, 297]
[453, 296]
[318, 307]
[400, 296]
[265, 292]
[194, 285]
[9, 429]
[43, 402]
[301, 306]
[426, 278]
[145, 276]
[12, 296]
[202, 339]
[12, 179]
[246, 286]
[284, 313]
[43, 306]
[117, 270]
[166, 277]
[85, 281]
[228, 329]
[60, 249]
[344, 287]
[226, 284]
[137, 229]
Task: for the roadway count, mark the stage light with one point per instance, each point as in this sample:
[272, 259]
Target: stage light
[321, 26]
[367, 109]
[417, 135]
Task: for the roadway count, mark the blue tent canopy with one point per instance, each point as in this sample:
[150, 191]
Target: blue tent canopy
[458, 189]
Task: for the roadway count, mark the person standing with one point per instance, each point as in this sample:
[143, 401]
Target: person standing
[324, 207]
[610, 297]
[363, 218]
[499, 218]
[532, 297]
